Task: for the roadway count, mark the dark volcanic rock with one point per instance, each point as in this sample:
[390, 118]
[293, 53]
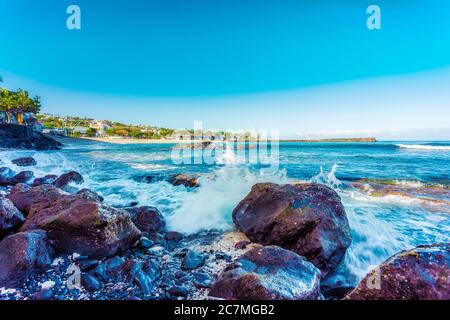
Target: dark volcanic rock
[10, 217]
[21, 255]
[25, 162]
[90, 283]
[174, 236]
[6, 174]
[23, 137]
[24, 197]
[76, 223]
[88, 194]
[193, 260]
[23, 177]
[147, 219]
[48, 179]
[70, 177]
[422, 273]
[268, 273]
[308, 219]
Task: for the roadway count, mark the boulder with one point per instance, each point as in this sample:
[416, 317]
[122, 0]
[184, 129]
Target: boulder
[188, 181]
[147, 219]
[25, 162]
[24, 197]
[76, 223]
[21, 255]
[14, 136]
[23, 177]
[268, 273]
[6, 174]
[422, 273]
[308, 219]
[193, 260]
[10, 217]
[65, 179]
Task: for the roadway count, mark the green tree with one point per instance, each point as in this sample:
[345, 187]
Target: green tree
[91, 132]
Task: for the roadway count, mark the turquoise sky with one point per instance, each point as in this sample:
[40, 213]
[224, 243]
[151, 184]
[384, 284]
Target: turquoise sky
[173, 61]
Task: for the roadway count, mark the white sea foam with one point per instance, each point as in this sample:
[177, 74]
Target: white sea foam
[424, 147]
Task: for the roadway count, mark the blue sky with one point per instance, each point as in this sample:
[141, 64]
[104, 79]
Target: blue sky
[289, 65]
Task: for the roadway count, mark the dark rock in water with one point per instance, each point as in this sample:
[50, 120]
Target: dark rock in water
[145, 243]
[21, 255]
[188, 181]
[174, 236]
[193, 260]
[88, 194]
[6, 174]
[422, 273]
[25, 162]
[147, 219]
[151, 178]
[10, 217]
[203, 280]
[179, 291]
[23, 177]
[24, 137]
[74, 223]
[71, 177]
[308, 219]
[241, 245]
[268, 273]
[43, 294]
[24, 197]
[336, 293]
[90, 283]
[48, 179]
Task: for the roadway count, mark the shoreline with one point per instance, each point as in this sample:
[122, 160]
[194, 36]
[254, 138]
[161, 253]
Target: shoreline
[160, 141]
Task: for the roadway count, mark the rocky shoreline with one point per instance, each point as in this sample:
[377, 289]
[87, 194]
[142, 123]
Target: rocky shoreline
[59, 242]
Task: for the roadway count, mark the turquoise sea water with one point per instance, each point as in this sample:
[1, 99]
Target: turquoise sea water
[412, 208]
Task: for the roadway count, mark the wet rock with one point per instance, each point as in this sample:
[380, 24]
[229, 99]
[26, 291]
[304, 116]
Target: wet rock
[21, 255]
[268, 273]
[147, 219]
[24, 137]
[223, 256]
[90, 283]
[422, 273]
[193, 260]
[203, 280]
[174, 236]
[76, 224]
[6, 175]
[10, 217]
[24, 197]
[151, 178]
[87, 264]
[48, 179]
[25, 162]
[179, 291]
[23, 177]
[308, 219]
[241, 245]
[67, 178]
[145, 243]
[88, 194]
[188, 181]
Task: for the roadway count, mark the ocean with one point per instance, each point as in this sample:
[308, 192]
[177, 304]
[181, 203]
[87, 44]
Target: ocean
[396, 193]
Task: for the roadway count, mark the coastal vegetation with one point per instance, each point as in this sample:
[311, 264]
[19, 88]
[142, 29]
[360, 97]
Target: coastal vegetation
[19, 100]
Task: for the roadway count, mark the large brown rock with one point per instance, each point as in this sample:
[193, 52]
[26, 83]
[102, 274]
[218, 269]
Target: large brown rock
[75, 223]
[21, 255]
[10, 217]
[268, 273]
[147, 219]
[422, 273]
[308, 219]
